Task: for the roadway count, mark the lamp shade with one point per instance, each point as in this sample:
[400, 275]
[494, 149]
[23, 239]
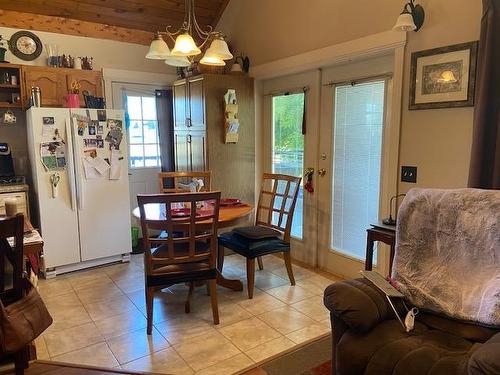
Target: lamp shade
[185, 46]
[219, 48]
[158, 50]
[178, 61]
[210, 58]
[405, 22]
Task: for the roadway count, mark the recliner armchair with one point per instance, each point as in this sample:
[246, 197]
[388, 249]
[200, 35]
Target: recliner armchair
[458, 328]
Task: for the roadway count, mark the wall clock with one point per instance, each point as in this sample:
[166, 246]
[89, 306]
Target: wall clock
[25, 45]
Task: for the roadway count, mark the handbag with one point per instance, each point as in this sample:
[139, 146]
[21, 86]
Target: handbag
[23, 321]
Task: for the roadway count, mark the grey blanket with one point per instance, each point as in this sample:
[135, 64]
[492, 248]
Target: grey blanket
[448, 252]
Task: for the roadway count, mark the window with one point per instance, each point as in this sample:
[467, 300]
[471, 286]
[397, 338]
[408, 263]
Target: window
[144, 150]
[288, 146]
[359, 120]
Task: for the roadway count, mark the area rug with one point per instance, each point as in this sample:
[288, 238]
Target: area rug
[311, 359]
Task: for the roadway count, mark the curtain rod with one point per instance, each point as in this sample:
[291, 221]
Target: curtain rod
[294, 90]
[356, 81]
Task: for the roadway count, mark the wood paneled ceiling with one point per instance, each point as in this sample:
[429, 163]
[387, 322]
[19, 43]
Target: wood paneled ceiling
[148, 15]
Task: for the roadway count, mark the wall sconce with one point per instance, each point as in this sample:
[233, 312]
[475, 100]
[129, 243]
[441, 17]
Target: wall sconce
[411, 18]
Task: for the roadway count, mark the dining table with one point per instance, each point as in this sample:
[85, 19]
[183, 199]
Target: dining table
[229, 215]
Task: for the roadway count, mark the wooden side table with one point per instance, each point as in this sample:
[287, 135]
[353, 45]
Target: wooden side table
[382, 233]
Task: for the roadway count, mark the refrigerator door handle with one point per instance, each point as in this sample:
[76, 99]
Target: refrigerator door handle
[70, 164]
[78, 166]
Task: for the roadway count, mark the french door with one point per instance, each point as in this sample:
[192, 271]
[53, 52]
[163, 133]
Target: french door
[344, 137]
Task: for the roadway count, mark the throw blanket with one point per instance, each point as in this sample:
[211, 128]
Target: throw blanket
[448, 252]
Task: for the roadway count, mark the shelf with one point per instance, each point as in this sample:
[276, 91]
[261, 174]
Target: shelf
[10, 105]
[8, 86]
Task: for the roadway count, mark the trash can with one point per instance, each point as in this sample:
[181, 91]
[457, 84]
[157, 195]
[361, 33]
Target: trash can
[135, 237]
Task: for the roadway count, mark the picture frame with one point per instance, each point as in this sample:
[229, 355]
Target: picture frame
[443, 77]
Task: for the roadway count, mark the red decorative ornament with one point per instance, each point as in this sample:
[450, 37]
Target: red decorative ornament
[309, 180]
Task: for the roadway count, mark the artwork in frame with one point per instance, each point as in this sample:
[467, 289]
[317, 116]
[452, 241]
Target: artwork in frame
[443, 77]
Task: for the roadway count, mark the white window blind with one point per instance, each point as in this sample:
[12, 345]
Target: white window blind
[358, 124]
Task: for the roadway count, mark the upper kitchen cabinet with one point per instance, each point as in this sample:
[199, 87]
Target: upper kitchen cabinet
[196, 104]
[89, 82]
[180, 105]
[52, 83]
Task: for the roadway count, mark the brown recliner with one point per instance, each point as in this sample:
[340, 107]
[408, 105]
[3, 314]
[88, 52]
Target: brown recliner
[367, 337]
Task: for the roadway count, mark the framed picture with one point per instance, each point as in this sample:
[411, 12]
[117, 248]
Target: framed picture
[443, 77]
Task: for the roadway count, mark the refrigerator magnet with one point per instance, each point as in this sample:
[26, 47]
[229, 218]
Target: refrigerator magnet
[101, 115]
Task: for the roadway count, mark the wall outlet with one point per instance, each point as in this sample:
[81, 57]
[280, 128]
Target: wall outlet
[408, 174]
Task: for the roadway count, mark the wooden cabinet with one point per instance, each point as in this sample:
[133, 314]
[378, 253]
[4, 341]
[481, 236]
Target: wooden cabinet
[55, 83]
[52, 83]
[199, 132]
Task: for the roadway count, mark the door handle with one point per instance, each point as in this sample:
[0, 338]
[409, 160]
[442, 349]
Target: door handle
[188, 138]
[322, 172]
[188, 122]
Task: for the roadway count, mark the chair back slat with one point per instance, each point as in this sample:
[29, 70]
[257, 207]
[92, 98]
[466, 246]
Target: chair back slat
[170, 182]
[191, 238]
[11, 228]
[276, 187]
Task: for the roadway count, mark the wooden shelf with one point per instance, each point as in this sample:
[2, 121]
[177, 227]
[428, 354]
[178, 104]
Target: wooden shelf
[8, 86]
[10, 105]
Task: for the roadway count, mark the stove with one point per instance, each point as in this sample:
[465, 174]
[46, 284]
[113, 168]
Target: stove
[14, 180]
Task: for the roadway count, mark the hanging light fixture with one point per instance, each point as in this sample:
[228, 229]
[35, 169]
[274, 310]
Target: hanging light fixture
[411, 18]
[185, 47]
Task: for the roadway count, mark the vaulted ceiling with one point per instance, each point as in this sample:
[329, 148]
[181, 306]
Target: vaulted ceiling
[148, 15]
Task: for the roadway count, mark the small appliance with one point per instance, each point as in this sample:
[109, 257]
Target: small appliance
[6, 162]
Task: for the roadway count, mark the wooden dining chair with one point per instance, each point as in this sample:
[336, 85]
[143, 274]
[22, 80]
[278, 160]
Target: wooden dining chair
[11, 273]
[273, 224]
[186, 258]
[170, 181]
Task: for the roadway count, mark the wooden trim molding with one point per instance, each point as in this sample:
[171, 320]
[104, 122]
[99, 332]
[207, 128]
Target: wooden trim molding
[28, 21]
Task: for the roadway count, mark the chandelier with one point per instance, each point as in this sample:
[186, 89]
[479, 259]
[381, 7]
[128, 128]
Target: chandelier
[185, 48]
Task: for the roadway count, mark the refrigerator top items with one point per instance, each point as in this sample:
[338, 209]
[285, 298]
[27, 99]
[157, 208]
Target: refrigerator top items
[6, 162]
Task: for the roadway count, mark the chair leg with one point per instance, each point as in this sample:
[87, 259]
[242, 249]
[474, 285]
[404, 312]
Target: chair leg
[149, 309]
[220, 258]
[208, 288]
[21, 361]
[261, 265]
[250, 276]
[187, 306]
[288, 264]
[213, 299]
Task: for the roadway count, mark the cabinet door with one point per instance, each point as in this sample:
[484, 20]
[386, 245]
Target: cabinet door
[197, 150]
[89, 81]
[180, 115]
[181, 151]
[51, 83]
[196, 116]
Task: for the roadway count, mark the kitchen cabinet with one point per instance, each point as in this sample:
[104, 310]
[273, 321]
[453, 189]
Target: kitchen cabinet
[199, 132]
[88, 80]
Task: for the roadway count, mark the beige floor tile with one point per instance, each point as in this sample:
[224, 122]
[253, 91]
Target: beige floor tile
[41, 348]
[270, 349]
[69, 299]
[308, 333]
[207, 350]
[272, 262]
[136, 344]
[316, 284]
[132, 282]
[229, 312]
[111, 307]
[299, 273]
[261, 303]
[116, 325]
[165, 361]
[266, 280]
[290, 294]
[86, 279]
[313, 307]
[229, 366]
[98, 293]
[249, 333]
[54, 287]
[94, 355]
[286, 319]
[71, 339]
[183, 328]
[67, 317]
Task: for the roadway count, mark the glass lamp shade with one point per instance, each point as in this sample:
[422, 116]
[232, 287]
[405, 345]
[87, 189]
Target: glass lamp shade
[158, 50]
[212, 59]
[405, 22]
[185, 46]
[219, 48]
[178, 61]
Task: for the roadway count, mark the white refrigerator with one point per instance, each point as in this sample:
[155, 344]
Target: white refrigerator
[85, 220]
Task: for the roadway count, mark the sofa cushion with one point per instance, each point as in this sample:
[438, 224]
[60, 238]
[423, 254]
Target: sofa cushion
[387, 349]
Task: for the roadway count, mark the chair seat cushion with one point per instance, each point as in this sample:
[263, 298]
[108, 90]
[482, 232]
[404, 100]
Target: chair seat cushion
[251, 248]
[387, 349]
[257, 232]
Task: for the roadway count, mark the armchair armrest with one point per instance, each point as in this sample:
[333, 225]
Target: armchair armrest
[486, 359]
[358, 303]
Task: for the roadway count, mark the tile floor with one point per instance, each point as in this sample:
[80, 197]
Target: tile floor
[99, 319]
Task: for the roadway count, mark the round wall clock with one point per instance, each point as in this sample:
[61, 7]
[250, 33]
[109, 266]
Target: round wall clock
[25, 45]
